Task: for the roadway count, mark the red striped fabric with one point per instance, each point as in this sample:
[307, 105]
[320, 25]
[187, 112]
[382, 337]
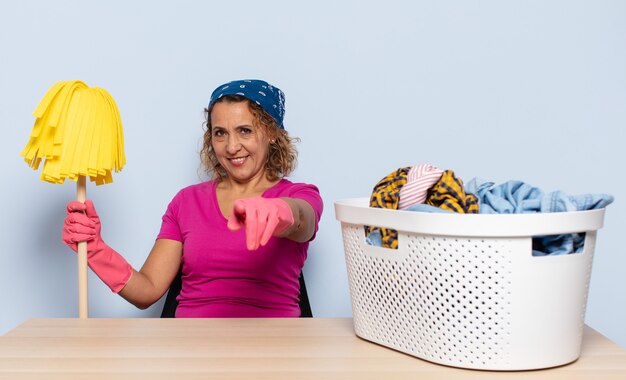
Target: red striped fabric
[419, 179]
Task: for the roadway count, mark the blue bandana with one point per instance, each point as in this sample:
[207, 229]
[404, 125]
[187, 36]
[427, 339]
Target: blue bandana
[270, 98]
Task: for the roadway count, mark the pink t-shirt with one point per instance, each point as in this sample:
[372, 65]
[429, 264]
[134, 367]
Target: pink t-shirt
[220, 276]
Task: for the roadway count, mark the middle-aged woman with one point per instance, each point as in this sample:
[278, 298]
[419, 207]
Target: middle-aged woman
[241, 237]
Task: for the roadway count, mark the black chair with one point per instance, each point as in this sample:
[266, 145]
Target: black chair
[169, 308]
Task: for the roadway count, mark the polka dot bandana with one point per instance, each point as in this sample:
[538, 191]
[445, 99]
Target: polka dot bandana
[270, 98]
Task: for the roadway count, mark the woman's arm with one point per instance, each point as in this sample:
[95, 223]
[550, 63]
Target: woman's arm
[303, 227]
[148, 285]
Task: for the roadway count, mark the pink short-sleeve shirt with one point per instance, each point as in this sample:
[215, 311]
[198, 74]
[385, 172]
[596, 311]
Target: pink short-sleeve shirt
[220, 276]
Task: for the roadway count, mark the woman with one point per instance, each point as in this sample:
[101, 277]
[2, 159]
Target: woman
[241, 238]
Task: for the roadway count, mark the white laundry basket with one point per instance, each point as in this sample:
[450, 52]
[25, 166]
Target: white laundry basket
[464, 290]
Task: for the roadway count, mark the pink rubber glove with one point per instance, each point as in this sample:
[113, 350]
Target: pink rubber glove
[83, 224]
[262, 218]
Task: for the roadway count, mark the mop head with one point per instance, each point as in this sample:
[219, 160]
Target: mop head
[78, 132]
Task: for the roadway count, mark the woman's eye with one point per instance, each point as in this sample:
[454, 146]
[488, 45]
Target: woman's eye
[218, 133]
[245, 131]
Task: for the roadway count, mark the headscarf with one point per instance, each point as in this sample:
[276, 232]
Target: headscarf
[268, 97]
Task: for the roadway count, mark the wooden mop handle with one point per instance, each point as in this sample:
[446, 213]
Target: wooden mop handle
[83, 309]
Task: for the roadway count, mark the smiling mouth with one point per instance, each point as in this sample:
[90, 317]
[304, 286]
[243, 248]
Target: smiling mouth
[237, 160]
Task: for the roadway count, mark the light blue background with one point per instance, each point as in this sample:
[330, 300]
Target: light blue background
[532, 90]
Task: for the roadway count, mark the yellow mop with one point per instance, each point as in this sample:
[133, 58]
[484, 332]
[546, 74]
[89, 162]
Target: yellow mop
[78, 133]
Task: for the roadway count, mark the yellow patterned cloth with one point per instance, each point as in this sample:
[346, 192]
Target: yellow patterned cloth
[386, 194]
[447, 193]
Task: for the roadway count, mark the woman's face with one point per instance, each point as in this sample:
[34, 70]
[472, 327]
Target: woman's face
[240, 146]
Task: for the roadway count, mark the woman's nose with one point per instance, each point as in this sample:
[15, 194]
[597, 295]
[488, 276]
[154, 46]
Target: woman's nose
[233, 145]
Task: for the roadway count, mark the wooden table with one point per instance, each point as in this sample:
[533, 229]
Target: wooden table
[294, 349]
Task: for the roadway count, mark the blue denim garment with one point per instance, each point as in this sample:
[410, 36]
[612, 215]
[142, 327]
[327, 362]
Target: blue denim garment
[557, 201]
[513, 197]
[374, 238]
[516, 197]
[552, 245]
[423, 207]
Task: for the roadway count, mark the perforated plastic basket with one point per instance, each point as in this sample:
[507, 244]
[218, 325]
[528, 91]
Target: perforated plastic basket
[465, 290]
